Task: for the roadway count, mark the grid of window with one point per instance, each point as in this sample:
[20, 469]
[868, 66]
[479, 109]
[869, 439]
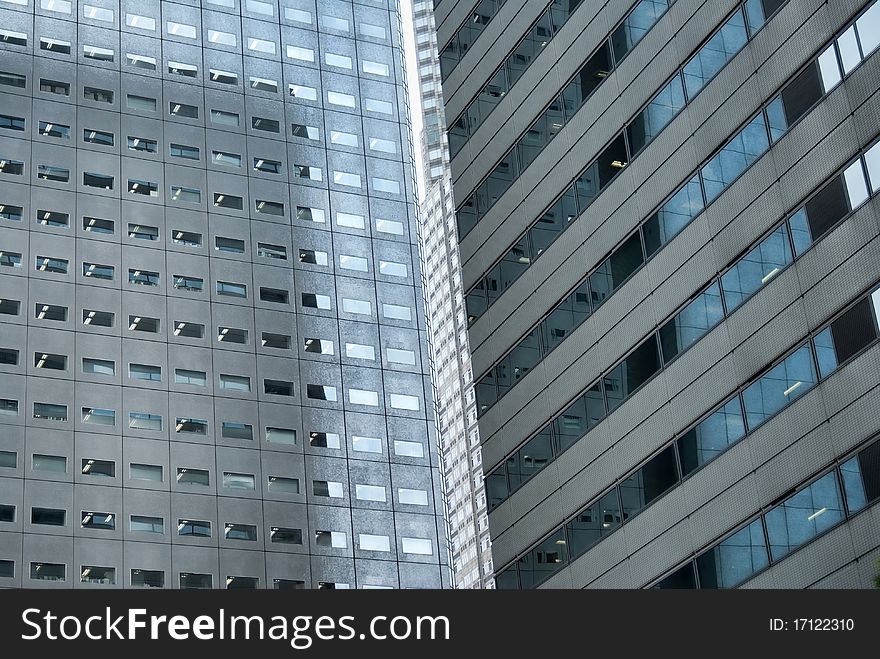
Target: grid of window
[172, 211]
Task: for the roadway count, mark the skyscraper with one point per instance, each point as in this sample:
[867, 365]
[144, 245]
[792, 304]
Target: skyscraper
[669, 228]
[212, 340]
[456, 403]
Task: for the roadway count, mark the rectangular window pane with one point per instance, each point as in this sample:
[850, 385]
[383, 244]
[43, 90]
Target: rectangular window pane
[782, 384]
[756, 268]
[735, 559]
[804, 515]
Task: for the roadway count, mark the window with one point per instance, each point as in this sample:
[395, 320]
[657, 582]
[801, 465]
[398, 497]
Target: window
[184, 151]
[190, 476]
[375, 68]
[331, 489]
[141, 22]
[10, 259]
[48, 516]
[143, 277]
[191, 195]
[187, 283]
[314, 257]
[193, 581]
[195, 378]
[191, 426]
[228, 201]
[398, 356]
[349, 220]
[8, 357]
[11, 123]
[382, 107]
[384, 146]
[266, 165]
[230, 245]
[13, 38]
[303, 92]
[412, 497]
[101, 521]
[308, 172]
[347, 179]
[308, 132]
[140, 103]
[53, 219]
[99, 416]
[224, 118]
[269, 251]
[343, 100]
[246, 532]
[235, 382]
[98, 366]
[181, 69]
[804, 515]
[236, 481]
[51, 86]
[147, 578]
[58, 174]
[269, 207]
[274, 295]
[360, 351]
[50, 411]
[51, 129]
[357, 263]
[756, 268]
[183, 110]
[96, 53]
[99, 575]
[143, 324]
[194, 527]
[277, 387]
[396, 312]
[236, 430]
[392, 269]
[267, 125]
[360, 307]
[141, 232]
[419, 546]
[283, 485]
[232, 335]
[319, 346]
[9, 212]
[734, 559]
[186, 238]
[370, 542]
[225, 158]
[369, 492]
[222, 38]
[13, 79]
[55, 45]
[368, 30]
[97, 271]
[98, 318]
[231, 289]
[188, 329]
[779, 386]
[49, 571]
[321, 392]
[11, 167]
[286, 536]
[145, 472]
[363, 397]
[100, 468]
[310, 214]
[281, 436]
[92, 180]
[98, 95]
[181, 30]
[145, 421]
[403, 402]
[7, 513]
[343, 139]
[145, 372]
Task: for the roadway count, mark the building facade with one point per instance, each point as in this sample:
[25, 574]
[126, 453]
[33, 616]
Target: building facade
[668, 224]
[212, 341]
[467, 514]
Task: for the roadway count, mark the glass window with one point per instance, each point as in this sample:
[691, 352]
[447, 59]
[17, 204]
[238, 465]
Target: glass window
[324, 439]
[634, 371]
[636, 25]
[224, 118]
[868, 26]
[363, 397]
[804, 515]
[147, 524]
[404, 402]
[756, 268]
[369, 492]
[49, 571]
[856, 188]
[195, 527]
[98, 520]
[715, 53]
[531, 458]
[50, 411]
[181, 30]
[145, 372]
[691, 323]
[190, 476]
[735, 157]
[142, 22]
[409, 449]
[593, 523]
[624, 261]
[281, 436]
[659, 112]
[283, 485]
[145, 472]
[141, 232]
[286, 536]
[147, 578]
[649, 482]
[782, 384]
[711, 436]
[734, 559]
[544, 560]
[99, 416]
[140, 103]
[92, 136]
[191, 581]
[52, 129]
[98, 318]
[412, 497]
[48, 516]
[246, 532]
[829, 68]
[366, 444]
[145, 421]
[853, 486]
[420, 546]
[225, 158]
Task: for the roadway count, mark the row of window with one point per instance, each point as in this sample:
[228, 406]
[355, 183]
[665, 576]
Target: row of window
[237, 430]
[187, 152]
[255, 9]
[144, 578]
[823, 503]
[709, 181]
[223, 118]
[182, 194]
[466, 35]
[103, 226]
[666, 104]
[614, 47]
[724, 294]
[815, 508]
[770, 392]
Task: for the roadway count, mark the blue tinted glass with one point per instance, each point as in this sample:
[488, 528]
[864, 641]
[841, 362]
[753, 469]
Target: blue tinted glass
[825, 353]
[660, 111]
[800, 232]
[776, 118]
[715, 53]
[636, 25]
[712, 436]
[735, 157]
[756, 268]
[735, 559]
[853, 486]
[804, 515]
[691, 323]
[673, 216]
[782, 384]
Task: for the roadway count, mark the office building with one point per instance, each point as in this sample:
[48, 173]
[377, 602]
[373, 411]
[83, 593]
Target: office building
[668, 225]
[467, 515]
[212, 340]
